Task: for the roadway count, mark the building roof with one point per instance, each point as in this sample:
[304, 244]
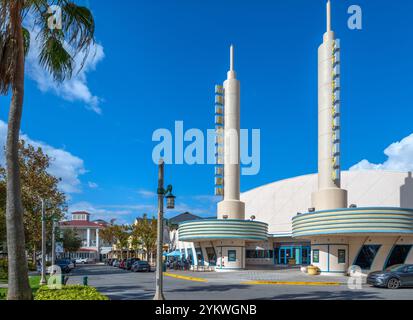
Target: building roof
[87, 250]
[277, 203]
[184, 217]
[102, 222]
[80, 224]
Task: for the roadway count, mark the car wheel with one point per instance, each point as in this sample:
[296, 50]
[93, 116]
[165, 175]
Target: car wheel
[393, 283]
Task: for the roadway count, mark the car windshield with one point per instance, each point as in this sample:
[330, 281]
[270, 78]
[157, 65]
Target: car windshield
[395, 268]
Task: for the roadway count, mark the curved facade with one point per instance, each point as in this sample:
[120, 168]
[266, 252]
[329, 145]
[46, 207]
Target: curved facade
[223, 229]
[370, 235]
[279, 202]
[362, 221]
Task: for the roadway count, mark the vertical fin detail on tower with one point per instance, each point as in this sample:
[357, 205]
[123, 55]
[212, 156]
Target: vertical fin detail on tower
[219, 140]
[335, 110]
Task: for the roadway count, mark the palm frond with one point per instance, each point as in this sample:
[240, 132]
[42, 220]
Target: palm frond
[8, 52]
[55, 58]
[58, 48]
[26, 39]
[79, 28]
[78, 25]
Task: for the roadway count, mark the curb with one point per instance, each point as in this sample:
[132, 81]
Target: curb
[184, 277]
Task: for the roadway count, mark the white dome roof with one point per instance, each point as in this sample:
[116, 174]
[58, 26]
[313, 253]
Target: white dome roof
[277, 203]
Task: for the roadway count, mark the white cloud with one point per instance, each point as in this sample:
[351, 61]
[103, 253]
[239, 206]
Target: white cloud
[92, 185]
[146, 193]
[74, 89]
[399, 158]
[63, 164]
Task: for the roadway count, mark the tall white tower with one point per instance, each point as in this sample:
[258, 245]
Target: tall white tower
[329, 194]
[231, 207]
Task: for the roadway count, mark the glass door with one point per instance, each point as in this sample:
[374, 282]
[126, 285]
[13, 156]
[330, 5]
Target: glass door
[286, 253]
[306, 256]
[281, 256]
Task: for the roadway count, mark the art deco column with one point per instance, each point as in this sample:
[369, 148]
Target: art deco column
[231, 207]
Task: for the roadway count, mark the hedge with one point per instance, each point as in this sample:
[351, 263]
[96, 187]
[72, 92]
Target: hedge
[73, 292]
[3, 294]
[3, 270]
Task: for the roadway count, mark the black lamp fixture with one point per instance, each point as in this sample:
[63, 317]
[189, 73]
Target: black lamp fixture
[170, 198]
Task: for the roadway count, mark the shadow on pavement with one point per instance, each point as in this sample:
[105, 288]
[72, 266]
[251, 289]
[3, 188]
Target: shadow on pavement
[325, 295]
[87, 270]
[212, 288]
[134, 292]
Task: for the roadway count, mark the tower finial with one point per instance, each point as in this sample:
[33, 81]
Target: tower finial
[231, 68]
[328, 16]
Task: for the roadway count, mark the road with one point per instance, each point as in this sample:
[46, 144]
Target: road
[124, 285]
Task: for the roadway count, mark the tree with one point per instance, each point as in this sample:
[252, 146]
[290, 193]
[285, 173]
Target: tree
[36, 184]
[136, 239]
[147, 230]
[121, 237]
[77, 33]
[107, 235]
[71, 241]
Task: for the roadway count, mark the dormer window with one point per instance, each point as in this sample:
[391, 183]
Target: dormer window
[80, 216]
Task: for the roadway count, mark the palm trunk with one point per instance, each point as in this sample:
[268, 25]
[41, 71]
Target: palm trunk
[18, 286]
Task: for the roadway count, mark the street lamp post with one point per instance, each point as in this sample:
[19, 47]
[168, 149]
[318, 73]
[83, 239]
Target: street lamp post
[54, 242]
[43, 271]
[170, 205]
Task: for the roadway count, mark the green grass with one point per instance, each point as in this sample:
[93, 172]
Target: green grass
[67, 293]
[34, 282]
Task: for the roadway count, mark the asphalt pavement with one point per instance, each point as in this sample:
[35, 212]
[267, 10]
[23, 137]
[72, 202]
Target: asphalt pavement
[119, 284]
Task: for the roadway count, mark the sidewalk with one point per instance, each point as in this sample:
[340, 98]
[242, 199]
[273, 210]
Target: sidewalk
[292, 276]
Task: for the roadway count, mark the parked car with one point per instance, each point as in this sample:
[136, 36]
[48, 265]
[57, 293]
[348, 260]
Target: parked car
[129, 263]
[141, 266]
[122, 264]
[67, 262]
[65, 265]
[395, 277]
[81, 261]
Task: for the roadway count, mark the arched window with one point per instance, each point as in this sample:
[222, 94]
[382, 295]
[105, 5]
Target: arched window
[366, 256]
[398, 255]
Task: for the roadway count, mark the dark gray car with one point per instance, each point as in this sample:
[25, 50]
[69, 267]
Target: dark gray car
[394, 277]
[141, 266]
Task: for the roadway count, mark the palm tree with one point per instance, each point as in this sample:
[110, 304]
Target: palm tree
[58, 50]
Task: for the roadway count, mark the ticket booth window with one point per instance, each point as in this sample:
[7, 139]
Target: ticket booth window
[341, 256]
[232, 255]
[316, 256]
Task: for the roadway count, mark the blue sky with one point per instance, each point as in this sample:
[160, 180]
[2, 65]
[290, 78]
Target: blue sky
[157, 62]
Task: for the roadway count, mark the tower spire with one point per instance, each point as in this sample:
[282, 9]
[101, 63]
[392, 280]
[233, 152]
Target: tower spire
[231, 68]
[328, 16]
[231, 72]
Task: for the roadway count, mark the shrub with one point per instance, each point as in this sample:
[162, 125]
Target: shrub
[32, 266]
[3, 294]
[3, 269]
[74, 292]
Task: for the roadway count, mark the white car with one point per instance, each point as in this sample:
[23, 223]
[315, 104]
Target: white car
[82, 261]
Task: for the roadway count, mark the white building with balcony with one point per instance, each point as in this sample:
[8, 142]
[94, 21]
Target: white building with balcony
[93, 248]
